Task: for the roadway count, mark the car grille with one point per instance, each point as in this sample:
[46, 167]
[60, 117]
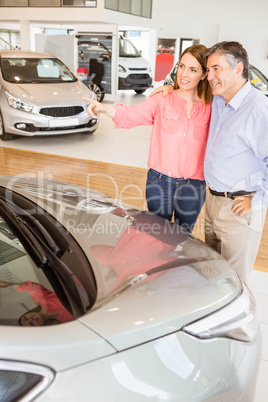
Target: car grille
[61, 111]
[138, 76]
[138, 69]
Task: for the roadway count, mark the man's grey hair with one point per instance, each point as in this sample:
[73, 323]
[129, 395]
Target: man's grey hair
[234, 52]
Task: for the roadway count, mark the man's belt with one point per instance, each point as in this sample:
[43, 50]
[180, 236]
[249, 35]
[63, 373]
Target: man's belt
[230, 195]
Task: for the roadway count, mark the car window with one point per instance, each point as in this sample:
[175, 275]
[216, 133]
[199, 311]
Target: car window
[27, 70]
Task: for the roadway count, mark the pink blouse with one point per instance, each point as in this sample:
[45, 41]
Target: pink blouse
[178, 141]
[46, 299]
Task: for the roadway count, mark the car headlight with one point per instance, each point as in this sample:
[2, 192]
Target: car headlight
[237, 320]
[18, 103]
[23, 381]
[121, 69]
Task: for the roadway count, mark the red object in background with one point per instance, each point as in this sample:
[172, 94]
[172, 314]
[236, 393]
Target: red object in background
[164, 63]
[82, 73]
[82, 70]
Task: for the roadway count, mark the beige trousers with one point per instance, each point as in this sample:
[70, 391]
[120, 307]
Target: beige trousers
[236, 239]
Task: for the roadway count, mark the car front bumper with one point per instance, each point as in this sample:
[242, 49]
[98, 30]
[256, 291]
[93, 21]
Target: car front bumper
[38, 125]
[135, 81]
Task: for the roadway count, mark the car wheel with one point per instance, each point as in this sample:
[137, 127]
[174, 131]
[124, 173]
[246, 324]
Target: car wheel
[4, 135]
[139, 91]
[98, 90]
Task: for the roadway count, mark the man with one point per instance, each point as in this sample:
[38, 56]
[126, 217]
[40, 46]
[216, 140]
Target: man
[236, 160]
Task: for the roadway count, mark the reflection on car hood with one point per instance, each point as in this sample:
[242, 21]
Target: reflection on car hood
[152, 277]
[163, 303]
[52, 93]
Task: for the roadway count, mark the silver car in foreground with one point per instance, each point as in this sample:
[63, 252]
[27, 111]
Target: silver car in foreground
[115, 304]
[39, 95]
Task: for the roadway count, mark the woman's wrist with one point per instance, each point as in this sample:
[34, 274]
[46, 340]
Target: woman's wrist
[108, 110]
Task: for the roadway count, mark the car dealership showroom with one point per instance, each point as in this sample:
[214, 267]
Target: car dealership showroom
[153, 261]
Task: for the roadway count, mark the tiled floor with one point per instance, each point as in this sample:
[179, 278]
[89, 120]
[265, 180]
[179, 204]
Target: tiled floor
[130, 147]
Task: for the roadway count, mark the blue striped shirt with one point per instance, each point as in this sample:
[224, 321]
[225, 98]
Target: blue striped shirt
[237, 149]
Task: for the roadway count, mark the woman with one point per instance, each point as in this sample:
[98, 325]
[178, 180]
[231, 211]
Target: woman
[175, 181]
[49, 310]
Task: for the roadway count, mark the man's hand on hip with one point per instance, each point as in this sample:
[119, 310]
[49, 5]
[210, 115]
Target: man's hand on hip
[242, 205]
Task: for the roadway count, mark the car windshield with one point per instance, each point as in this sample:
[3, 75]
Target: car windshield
[35, 70]
[42, 268]
[25, 293]
[127, 49]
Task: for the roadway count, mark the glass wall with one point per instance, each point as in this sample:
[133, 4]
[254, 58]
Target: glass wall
[9, 39]
[141, 8]
[13, 3]
[48, 3]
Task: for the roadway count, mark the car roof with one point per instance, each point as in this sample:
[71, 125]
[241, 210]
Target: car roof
[22, 53]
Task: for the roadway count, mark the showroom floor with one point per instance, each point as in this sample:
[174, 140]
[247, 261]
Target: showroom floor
[124, 147]
[130, 147]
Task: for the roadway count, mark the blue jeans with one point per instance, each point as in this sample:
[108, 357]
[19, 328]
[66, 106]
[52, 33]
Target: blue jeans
[184, 198]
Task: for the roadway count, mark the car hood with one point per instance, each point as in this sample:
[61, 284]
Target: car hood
[52, 93]
[164, 302]
[134, 63]
[150, 282]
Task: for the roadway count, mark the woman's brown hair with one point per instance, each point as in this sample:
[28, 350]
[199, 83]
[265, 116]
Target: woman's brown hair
[203, 90]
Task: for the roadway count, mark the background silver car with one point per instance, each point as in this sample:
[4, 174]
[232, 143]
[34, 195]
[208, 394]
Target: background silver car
[39, 95]
[258, 80]
[142, 309]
